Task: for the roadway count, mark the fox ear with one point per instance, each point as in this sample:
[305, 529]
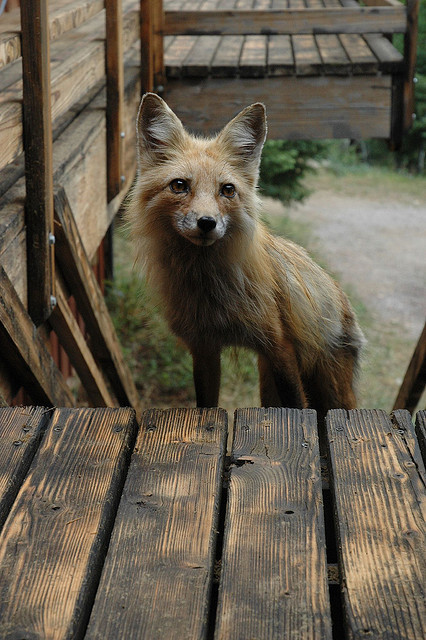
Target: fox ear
[244, 137]
[160, 132]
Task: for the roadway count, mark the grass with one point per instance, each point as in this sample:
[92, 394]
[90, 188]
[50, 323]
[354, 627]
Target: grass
[162, 367]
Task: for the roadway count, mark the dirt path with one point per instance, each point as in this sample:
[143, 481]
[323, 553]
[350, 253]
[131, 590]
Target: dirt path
[375, 242]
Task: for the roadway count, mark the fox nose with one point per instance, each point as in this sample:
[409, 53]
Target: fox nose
[206, 223]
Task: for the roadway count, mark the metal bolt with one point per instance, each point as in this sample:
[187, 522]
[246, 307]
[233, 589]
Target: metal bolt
[123, 179]
[415, 80]
[52, 239]
[305, 444]
[53, 302]
[122, 134]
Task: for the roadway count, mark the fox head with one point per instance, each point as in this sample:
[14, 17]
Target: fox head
[202, 189]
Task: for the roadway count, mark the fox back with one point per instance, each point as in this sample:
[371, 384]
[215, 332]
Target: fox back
[222, 277]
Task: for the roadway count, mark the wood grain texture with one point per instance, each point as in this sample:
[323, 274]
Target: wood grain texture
[273, 578]
[353, 19]
[378, 483]
[20, 432]
[421, 432]
[25, 351]
[156, 579]
[51, 546]
[77, 271]
[199, 59]
[72, 340]
[314, 107]
[37, 135]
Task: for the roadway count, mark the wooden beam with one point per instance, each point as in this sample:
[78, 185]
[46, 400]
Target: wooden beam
[72, 340]
[173, 488]
[388, 19]
[414, 381]
[378, 485]
[147, 56]
[81, 281]
[26, 353]
[37, 131]
[52, 545]
[410, 57]
[114, 91]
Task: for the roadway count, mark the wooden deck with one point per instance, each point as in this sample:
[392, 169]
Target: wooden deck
[324, 68]
[110, 531]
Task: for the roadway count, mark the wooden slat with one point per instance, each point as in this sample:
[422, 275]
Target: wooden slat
[290, 21]
[306, 55]
[378, 483]
[273, 578]
[114, 95]
[280, 56]
[334, 58]
[253, 57]
[389, 58]
[421, 432]
[52, 544]
[157, 574]
[410, 59]
[199, 60]
[316, 108]
[72, 340]
[20, 431]
[226, 60]
[37, 131]
[362, 58]
[25, 351]
[79, 276]
[414, 381]
[176, 53]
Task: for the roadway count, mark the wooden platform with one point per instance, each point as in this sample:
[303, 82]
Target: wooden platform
[110, 531]
[324, 68]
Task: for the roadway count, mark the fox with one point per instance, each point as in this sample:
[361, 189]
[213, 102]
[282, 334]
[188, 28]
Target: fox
[222, 278]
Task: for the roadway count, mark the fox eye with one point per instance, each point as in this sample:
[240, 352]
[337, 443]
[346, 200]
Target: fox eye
[179, 186]
[228, 190]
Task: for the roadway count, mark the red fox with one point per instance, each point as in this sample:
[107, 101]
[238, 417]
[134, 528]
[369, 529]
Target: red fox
[223, 279]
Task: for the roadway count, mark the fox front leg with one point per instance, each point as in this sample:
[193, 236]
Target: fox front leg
[206, 369]
[279, 378]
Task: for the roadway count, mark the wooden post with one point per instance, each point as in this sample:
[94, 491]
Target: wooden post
[158, 55]
[37, 129]
[410, 56]
[115, 88]
[147, 62]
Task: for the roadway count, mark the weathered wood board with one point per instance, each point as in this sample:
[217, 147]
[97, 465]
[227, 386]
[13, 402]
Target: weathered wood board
[20, 431]
[156, 579]
[378, 484]
[52, 544]
[314, 107]
[273, 578]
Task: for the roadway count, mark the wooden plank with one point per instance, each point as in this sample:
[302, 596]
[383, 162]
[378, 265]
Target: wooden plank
[169, 511]
[280, 56]
[37, 132]
[306, 55]
[20, 432]
[414, 381]
[334, 58]
[253, 57]
[52, 544]
[114, 96]
[227, 57]
[390, 60]
[362, 58]
[421, 432]
[25, 351]
[315, 107]
[79, 276]
[353, 19]
[157, 44]
[72, 340]
[199, 59]
[410, 58]
[378, 484]
[176, 53]
[274, 531]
